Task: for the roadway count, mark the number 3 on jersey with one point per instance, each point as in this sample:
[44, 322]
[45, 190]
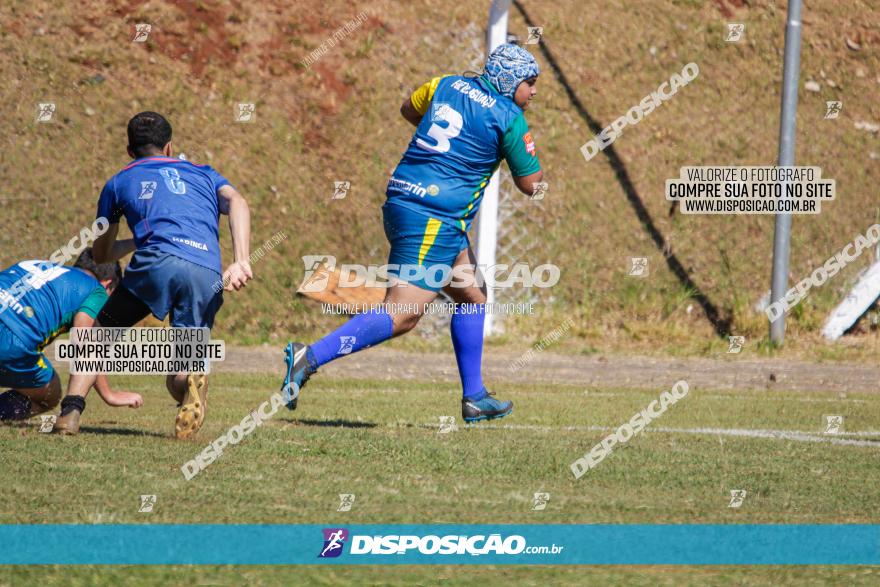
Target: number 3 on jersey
[442, 134]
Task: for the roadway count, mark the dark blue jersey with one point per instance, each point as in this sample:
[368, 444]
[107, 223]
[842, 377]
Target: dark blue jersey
[171, 205]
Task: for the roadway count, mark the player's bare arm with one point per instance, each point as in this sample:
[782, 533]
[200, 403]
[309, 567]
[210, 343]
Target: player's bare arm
[409, 112]
[523, 96]
[116, 399]
[239, 272]
[101, 384]
[107, 249]
[526, 183]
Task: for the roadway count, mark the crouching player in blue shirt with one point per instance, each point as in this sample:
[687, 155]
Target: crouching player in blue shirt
[464, 127]
[55, 298]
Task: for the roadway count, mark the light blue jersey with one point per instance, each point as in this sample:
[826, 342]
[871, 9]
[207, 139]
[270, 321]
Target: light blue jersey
[39, 300]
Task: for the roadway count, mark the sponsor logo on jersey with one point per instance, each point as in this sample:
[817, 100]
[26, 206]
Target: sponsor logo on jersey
[147, 190]
[530, 143]
[9, 300]
[407, 186]
[191, 243]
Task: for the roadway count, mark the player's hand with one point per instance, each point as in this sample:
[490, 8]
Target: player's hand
[237, 275]
[121, 399]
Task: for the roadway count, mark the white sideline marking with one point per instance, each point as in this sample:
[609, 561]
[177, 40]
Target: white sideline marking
[740, 397]
[589, 394]
[791, 399]
[798, 435]
[780, 435]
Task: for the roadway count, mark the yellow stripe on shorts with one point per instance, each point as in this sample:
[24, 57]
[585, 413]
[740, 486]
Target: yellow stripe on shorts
[432, 229]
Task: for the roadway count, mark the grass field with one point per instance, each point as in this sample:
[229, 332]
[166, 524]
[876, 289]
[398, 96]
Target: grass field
[359, 432]
[442, 575]
[380, 441]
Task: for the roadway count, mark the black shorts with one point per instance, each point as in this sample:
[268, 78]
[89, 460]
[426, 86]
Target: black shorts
[123, 309]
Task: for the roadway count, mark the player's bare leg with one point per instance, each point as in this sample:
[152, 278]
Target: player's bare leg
[406, 305]
[176, 386]
[465, 290]
[23, 403]
[74, 402]
[44, 398]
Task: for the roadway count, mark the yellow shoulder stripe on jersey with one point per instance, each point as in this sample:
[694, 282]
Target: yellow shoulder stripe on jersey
[422, 97]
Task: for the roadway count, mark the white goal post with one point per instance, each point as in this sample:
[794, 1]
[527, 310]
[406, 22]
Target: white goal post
[487, 220]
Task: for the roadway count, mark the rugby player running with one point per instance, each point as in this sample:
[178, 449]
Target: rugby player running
[465, 126]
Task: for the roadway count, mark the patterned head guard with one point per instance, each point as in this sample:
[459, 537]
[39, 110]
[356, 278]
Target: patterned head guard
[508, 65]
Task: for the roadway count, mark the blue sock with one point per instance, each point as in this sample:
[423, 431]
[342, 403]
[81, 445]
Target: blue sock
[14, 406]
[467, 339]
[362, 331]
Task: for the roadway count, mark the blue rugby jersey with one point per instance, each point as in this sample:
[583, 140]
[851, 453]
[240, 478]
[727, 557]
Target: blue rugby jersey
[467, 128]
[52, 296]
[169, 204]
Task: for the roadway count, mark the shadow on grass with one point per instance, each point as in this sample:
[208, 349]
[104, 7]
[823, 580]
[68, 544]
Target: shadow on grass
[120, 432]
[334, 423]
[35, 425]
[720, 320]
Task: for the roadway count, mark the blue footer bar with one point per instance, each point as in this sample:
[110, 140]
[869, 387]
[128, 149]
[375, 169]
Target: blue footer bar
[605, 544]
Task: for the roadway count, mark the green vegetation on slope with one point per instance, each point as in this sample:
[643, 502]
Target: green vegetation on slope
[337, 120]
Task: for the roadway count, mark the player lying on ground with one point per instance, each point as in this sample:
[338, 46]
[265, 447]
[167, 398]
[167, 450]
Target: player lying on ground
[57, 298]
[172, 208]
[464, 127]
